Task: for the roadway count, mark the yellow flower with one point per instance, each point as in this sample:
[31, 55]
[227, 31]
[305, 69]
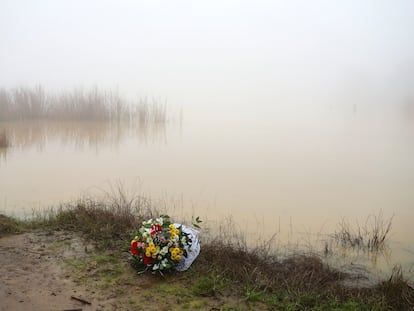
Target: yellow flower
[152, 250]
[176, 253]
[173, 231]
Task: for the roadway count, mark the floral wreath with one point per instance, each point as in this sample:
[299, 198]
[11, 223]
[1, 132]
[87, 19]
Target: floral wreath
[160, 245]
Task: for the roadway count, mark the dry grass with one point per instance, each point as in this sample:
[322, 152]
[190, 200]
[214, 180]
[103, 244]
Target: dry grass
[106, 221]
[397, 292]
[372, 236]
[226, 265]
[304, 281]
[9, 225]
[300, 272]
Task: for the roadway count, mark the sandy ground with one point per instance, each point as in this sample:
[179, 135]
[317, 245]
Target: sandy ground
[33, 277]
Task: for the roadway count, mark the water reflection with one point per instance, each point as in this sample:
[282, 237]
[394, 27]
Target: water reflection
[3, 153]
[80, 135]
[288, 173]
[408, 109]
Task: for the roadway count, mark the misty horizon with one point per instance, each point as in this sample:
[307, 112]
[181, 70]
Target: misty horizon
[219, 54]
[291, 114]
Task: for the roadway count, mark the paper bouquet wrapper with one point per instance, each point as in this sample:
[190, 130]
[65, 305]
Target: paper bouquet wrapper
[192, 251]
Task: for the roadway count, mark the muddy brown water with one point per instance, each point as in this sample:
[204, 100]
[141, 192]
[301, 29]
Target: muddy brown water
[295, 177]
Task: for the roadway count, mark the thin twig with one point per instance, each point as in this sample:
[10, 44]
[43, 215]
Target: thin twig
[81, 300]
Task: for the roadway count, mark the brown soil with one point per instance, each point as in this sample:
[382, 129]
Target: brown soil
[33, 275]
[43, 271]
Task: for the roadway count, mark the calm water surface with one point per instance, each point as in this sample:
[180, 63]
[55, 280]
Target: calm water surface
[293, 174]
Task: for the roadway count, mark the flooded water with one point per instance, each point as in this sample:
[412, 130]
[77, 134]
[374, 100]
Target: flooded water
[296, 175]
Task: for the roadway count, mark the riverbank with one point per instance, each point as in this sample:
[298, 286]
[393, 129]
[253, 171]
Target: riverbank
[77, 259]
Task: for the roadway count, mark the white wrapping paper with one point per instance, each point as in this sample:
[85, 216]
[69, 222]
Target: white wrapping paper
[192, 251]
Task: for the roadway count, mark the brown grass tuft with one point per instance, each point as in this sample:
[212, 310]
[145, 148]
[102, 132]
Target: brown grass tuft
[397, 291]
[303, 272]
[106, 221]
[9, 225]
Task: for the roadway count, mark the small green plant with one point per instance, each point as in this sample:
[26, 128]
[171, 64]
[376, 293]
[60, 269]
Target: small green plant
[211, 284]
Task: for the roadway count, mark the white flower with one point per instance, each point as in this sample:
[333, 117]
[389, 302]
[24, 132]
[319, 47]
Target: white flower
[148, 222]
[146, 233]
[156, 267]
[164, 251]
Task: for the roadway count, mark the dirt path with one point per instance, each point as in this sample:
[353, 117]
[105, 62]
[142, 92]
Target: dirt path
[33, 277]
[42, 272]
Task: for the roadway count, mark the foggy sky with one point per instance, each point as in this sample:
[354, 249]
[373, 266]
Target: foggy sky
[213, 52]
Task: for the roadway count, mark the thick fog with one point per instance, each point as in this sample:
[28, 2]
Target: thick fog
[291, 114]
[227, 55]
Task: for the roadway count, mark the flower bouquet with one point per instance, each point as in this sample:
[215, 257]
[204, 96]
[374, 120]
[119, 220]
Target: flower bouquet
[160, 245]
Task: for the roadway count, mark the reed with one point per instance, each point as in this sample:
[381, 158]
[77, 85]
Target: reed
[372, 236]
[78, 105]
[4, 140]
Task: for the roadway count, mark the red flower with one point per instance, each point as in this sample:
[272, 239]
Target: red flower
[156, 228]
[134, 248]
[147, 260]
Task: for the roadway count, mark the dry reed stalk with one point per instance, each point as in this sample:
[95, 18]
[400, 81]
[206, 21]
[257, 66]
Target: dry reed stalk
[372, 236]
[4, 140]
[78, 105]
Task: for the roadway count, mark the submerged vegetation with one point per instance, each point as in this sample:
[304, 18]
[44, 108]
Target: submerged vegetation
[21, 104]
[256, 279]
[371, 236]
